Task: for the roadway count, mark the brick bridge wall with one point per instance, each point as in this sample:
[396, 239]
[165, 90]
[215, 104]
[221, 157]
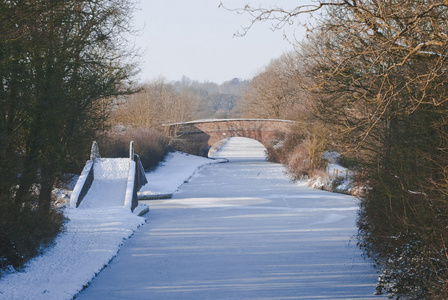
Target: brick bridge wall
[209, 132]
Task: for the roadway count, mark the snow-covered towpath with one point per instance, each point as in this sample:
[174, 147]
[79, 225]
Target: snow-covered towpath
[241, 230]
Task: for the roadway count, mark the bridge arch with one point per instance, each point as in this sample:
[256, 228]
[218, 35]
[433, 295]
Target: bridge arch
[238, 146]
[203, 134]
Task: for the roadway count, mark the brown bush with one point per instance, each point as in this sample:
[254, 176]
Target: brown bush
[299, 163]
[149, 144]
[196, 145]
[301, 151]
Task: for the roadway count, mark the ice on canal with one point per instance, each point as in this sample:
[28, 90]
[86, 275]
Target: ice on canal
[240, 148]
[242, 230]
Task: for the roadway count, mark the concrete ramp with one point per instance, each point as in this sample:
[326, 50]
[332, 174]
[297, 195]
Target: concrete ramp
[107, 182]
[110, 183]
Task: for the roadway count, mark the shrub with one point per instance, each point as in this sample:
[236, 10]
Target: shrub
[301, 151]
[405, 232]
[26, 232]
[149, 144]
[196, 145]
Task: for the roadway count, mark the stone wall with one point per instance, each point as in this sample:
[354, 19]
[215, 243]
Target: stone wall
[210, 132]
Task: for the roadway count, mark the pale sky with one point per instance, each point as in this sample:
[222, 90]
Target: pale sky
[195, 38]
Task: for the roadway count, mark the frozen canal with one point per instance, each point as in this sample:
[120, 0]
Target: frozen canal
[241, 230]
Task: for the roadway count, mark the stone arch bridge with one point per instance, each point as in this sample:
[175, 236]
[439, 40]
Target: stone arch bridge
[197, 137]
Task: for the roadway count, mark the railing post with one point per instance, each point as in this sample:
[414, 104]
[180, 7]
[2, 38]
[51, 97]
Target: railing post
[131, 150]
[95, 151]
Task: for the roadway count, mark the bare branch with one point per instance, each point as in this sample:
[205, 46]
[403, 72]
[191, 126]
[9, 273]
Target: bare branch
[277, 16]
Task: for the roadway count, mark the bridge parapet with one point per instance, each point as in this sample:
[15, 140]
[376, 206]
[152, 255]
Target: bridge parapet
[208, 132]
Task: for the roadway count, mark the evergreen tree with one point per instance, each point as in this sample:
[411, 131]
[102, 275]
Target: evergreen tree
[61, 65]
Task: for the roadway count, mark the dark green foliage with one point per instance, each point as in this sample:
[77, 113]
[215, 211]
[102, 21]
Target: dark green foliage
[403, 221]
[26, 232]
[61, 64]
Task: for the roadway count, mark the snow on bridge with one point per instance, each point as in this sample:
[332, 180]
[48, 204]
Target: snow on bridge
[106, 182]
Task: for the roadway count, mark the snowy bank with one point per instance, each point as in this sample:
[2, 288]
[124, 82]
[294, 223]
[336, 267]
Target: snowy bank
[177, 168]
[90, 240]
[336, 178]
[92, 237]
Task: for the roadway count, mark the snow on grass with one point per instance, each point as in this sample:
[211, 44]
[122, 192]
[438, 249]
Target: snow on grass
[177, 168]
[92, 237]
[336, 177]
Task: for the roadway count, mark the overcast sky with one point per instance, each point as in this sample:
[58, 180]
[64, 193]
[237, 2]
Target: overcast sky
[195, 38]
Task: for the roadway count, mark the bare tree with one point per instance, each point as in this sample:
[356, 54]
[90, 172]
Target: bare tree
[275, 92]
[377, 71]
[157, 103]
